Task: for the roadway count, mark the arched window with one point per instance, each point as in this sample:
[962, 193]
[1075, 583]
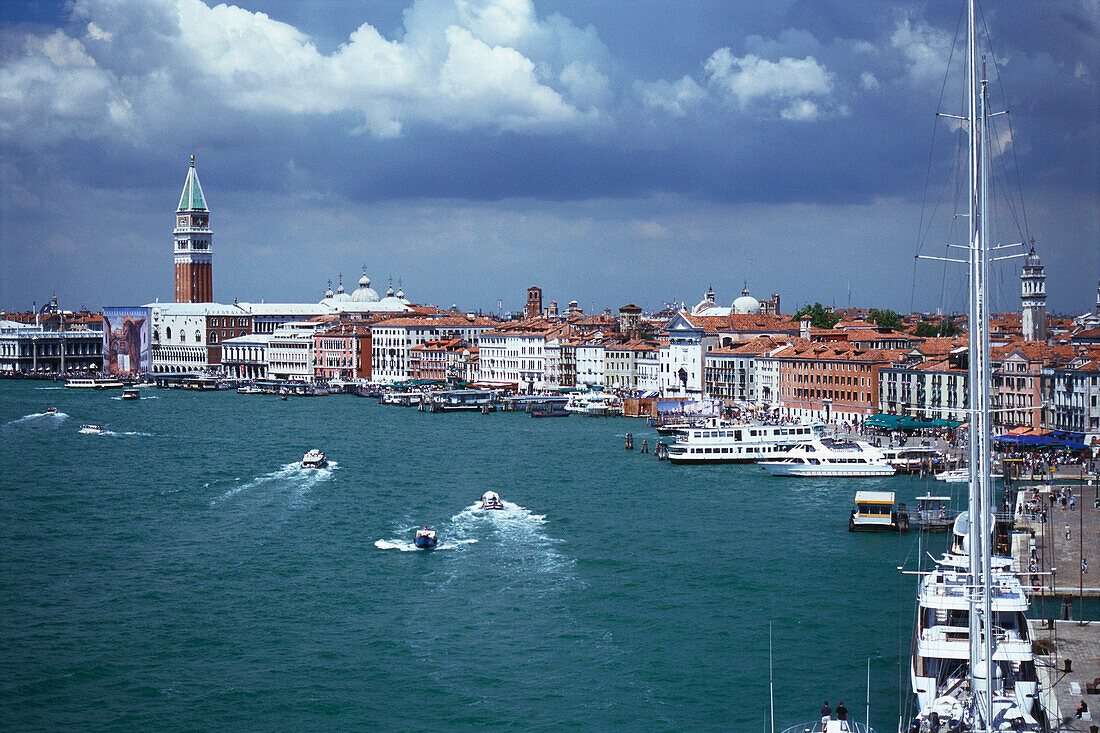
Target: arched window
[168, 332]
[198, 336]
[213, 337]
[183, 336]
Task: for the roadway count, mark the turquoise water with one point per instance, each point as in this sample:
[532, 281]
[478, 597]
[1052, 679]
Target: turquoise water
[180, 571]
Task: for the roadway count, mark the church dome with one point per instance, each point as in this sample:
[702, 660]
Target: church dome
[746, 303]
[364, 293]
[706, 303]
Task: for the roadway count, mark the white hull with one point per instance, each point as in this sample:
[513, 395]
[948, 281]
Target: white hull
[790, 469]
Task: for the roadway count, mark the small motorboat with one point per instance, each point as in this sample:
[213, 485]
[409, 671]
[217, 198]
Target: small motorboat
[91, 429]
[426, 539]
[51, 410]
[490, 500]
[314, 459]
[962, 475]
[131, 393]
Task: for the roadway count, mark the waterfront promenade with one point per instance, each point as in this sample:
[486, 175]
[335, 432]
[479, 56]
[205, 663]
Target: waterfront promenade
[1077, 644]
[1057, 538]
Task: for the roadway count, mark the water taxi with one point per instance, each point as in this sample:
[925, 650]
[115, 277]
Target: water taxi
[51, 410]
[829, 457]
[131, 393]
[91, 429]
[314, 459]
[425, 539]
[735, 443]
[490, 500]
[875, 511]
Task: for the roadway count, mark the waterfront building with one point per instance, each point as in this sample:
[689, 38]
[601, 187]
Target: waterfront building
[290, 350]
[50, 341]
[730, 371]
[684, 341]
[267, 317]
[1017, 398]
[188, 337]
[931, 389]
[515, 353]
[621, 363]
[831, 381]
[193, 239]
[393, 340]
[245, 357]
[342, 351]
[647, 367]
[1072, 395]
[1033, 296]
[630, 321]
[591, 356]
[443, 360]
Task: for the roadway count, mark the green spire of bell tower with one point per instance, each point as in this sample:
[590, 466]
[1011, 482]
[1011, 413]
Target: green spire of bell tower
[192, 198]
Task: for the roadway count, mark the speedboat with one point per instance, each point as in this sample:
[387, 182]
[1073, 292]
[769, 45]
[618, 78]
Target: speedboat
[51, 410]
[425, 539]
[314, 459]
[490, 500]
[961, 476]
[828, 457]
[90, 429]
[131, 393]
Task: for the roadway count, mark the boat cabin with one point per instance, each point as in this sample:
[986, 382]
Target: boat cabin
[876, 511]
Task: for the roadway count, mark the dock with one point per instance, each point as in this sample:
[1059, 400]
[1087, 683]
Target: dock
[1051, 542]
[1067, 670]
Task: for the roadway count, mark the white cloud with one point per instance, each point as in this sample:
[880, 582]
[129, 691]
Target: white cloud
[459, 63]
[868, 82]
[675, 98]
[753, 83]
[926, 50]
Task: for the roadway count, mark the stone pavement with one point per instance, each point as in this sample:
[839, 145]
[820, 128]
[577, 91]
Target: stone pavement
[1063, 691]
[1062, 540]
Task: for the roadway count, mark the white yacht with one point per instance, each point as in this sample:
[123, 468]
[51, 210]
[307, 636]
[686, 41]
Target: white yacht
[91, 429]
[735, 443]
[829, 457]
[913, 458]
[961, 476]
[314, 459]
[940, 665]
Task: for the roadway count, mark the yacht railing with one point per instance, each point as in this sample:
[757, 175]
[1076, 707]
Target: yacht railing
[833, 726]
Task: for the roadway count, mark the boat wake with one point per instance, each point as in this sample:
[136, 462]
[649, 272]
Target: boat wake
[48, 388]
[407, 546]
[126, 434]
[37, 416]
[150, 397]
[520, 534]
[292, 475]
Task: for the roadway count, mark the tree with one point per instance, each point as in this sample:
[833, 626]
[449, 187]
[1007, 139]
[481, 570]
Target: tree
[819, 315]
[885, 319]
[932, 330]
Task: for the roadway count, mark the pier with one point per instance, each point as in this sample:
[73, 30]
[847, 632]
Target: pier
[1068, 670]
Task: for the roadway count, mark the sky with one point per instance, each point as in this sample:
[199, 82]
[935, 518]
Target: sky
[612, 152]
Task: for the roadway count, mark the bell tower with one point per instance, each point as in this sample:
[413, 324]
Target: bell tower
[1033, 296]
[193, 256]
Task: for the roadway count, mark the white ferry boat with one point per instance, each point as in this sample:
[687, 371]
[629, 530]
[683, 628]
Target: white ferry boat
[735, 443]
[829, 457]
[90, 383]
[314, 459]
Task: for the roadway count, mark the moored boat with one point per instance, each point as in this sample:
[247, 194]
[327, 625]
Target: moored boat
[314, 459]
[875, 511]
[829, 457]
[425, 539]
[724, 443]
[550, 412]
[490, 500]
[961, 476]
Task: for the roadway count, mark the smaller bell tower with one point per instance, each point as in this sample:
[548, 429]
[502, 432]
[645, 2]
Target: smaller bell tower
[193, 256]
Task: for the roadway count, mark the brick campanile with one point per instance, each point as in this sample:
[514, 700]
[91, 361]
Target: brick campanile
[193, 256]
